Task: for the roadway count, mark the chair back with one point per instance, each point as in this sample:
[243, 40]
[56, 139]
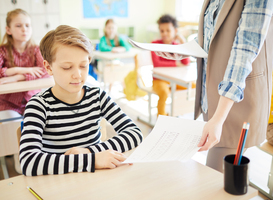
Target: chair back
[19, 131]
[8, 138]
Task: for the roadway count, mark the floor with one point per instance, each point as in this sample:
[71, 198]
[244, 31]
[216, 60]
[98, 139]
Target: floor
[133, 109]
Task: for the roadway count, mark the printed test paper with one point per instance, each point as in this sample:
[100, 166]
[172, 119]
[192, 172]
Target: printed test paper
[171, 139]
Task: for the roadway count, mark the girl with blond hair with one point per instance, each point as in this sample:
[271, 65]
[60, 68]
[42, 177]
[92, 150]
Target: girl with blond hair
[111, 41]
[20, 60]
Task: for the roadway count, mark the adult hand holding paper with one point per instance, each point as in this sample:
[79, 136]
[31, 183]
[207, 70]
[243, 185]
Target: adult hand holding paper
[175, 52]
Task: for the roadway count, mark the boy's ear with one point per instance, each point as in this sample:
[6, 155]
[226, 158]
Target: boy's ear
[8, 30]
[48, 67]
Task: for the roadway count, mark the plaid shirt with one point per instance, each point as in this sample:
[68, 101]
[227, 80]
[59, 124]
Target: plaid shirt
[250, 36]
[17, 101]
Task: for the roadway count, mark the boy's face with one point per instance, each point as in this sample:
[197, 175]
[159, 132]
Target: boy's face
[20, 28]
[167, 32]
[70, 69]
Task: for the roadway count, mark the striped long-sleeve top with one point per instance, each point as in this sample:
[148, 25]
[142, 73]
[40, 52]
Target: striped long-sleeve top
[51, 127]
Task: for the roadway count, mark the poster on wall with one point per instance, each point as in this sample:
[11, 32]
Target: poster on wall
[105, 8]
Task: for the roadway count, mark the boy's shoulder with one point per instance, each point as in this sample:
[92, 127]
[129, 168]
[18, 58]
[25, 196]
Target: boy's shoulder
[92, 90]
[42, 97]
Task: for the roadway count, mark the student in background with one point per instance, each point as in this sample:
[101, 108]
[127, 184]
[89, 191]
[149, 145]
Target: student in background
[61, 132]
[168, 31]
[20, 60]
[111, 41]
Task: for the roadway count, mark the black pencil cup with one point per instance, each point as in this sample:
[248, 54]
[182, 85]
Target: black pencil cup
[236, 176]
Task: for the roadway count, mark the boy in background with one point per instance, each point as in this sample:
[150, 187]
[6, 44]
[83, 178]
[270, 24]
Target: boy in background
[168, 31]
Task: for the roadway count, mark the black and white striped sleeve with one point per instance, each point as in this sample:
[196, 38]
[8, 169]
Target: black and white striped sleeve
[36, 162]
[129, 135]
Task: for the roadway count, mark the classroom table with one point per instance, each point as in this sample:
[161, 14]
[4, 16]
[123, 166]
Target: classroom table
[184, 76]
[110, 56]
[23, 86]
[162, 180]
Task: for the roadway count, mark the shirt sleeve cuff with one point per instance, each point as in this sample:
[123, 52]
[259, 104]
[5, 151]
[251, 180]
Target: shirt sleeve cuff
[231, 91]
[3, 72]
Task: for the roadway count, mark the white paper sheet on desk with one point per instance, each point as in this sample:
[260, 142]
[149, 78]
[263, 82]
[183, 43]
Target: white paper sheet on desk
[171, 139]
[191, 48]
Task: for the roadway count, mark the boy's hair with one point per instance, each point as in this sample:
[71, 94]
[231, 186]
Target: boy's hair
[167, 19]
[64, 35]
[8, 40]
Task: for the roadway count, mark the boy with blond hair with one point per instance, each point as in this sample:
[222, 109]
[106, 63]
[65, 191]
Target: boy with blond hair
[61, 132]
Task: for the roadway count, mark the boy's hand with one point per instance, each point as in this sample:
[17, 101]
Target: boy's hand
[77, 150]
[108, 159]
[180, 39]
[178, 63]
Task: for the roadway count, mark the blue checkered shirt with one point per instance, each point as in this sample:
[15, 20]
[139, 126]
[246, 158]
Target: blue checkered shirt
[250, 35]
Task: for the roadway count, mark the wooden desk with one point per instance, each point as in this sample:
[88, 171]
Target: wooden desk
[183, 76]
[109, 56]
[166, 180]
[23, 86]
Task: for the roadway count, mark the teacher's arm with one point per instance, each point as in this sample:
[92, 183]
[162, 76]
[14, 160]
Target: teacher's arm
[213, 129]
[249, 39]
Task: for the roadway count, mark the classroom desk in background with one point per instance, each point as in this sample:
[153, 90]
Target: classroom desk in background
[105, 57]
[184, 76]
[163, 180]
[23, 86]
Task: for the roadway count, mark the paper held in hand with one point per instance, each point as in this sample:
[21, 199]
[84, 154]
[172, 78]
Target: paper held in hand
[191, 48]
[171, 139]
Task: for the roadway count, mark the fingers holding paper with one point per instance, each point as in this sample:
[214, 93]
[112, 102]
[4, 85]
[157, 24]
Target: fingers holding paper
[171, 56]
[211, 135]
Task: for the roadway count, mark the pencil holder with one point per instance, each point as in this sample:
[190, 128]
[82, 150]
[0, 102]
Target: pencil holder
[236, 179]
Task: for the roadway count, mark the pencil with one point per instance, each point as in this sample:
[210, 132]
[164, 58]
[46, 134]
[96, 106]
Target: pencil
[241, 144]
[34, 193]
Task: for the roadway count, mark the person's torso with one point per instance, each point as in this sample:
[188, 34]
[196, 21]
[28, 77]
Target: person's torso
[69, 125]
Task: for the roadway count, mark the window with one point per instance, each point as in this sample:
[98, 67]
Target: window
[188, 11]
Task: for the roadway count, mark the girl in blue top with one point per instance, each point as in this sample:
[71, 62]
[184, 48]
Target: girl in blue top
[111, 41]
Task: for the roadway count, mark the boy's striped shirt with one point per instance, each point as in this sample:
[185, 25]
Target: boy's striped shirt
[51, 127]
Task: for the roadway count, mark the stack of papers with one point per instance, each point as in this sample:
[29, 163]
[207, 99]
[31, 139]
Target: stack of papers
[171, 139]
[191, 48]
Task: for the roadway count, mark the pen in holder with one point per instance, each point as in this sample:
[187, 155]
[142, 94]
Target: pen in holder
[236, 167]
[236, 179]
